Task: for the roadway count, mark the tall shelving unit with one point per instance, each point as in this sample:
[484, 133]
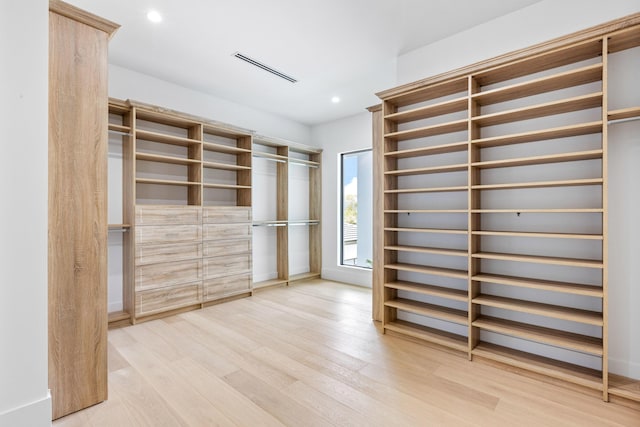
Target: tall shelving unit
[286, 156]
[494, 208]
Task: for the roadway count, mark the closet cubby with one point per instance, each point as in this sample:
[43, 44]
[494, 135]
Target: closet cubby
[493, 184]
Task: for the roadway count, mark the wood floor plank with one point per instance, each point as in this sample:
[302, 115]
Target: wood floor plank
[309, 355]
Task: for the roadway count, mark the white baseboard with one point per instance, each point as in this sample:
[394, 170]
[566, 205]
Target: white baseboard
[625, 368]
[350, 275]
[34, 414]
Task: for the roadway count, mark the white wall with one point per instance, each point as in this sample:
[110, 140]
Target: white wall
[538, 23]
[24, 395]
[349, 134]
[127, 84]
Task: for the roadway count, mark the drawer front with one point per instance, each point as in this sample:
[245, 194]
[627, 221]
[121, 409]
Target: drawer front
[153, 254]
[225, 286]
[226, 247]
[168, 215]
[168, 234]
[167, 274]
[165, 299]
[215, 215]
[226, 266]
[225, 231]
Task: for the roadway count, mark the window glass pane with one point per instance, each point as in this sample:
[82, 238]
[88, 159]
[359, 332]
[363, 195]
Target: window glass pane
[356, 209]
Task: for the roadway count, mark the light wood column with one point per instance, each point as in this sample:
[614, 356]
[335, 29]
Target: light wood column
[378, 213]
[77, 278]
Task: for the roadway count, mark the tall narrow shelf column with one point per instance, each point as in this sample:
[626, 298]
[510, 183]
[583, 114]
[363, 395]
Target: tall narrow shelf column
[78, 47]
[499, 248]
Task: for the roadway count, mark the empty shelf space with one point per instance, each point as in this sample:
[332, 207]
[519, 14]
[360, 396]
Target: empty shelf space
[424, 250]
[437, 291]
[540, 160]
[540, 184]
[542, 235]
[426, 230]
[166, 159]
[428, 151]
[226, 186]
[425, 211]
[425, 171]
[570, 262]
[556, 369]
[434, 110]
[165, 139]
[588, 74]
[224, 166]
[424, 269]
[624, 113]
[544, 285]
[439, 129]
[542, 210]
[165, 182]
[427, 190]
[541, 110]
[624, 387]
[429, 310]
[556, 311]
[436, 336]
[269, 283]
[554, 337]
[541, 135]
[221, 148]
[119, 128]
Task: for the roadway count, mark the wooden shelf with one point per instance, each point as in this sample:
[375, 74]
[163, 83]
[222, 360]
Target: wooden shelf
[119, 128]
[427, 190]
[445, 339]
[424, 250]
[435, 91]
[436, 271]
[574, 374]
[428, 151]
[540, 160]
[543, 184]
[541, 110]
[544, 285]
[225, 131]
[165, 139]
[166, 182]
[540, 135]
[221, 148]
[439, 129]
[269, 283]
[548, 310]
[570, 262]
[119, 226]
[624, 113]
[624, 387]
[429, 310]
[554, 337]
[166, 159]
[304, 276]
[429, 170]
[580, 76]
[118, 316]
[434, 110]
[552, 211]
[436, 291]
[226, 186]
[542, 235]
[425, 211]
[225, 166]
[426, 230]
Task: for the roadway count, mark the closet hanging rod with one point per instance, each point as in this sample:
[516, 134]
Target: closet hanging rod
[269, 158]
[269, 225]
[293, 162]
[628, 119]
[119, 132]
[304, 223]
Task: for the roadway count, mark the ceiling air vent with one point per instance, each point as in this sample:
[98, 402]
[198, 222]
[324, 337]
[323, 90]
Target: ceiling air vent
[259, 64]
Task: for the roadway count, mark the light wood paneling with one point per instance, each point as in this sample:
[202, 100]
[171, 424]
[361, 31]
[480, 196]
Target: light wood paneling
[165, 299]
[168, 273]
[153, 254]
[226, 247]
[225, 231]
[226, 265]
[222, 287]
[163, 234]
[225, 214]
[168, 215]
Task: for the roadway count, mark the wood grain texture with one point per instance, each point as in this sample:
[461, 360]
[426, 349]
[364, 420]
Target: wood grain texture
[226, 265]
[168, 215]
[77, 264]
[223, 287]
[307, 355]
[212, 215]
[168, 273]
[226, 231]
[378, 216]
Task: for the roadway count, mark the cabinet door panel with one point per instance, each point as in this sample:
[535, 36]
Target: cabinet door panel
[168, 274]
[168, 215]
[225, 231]
[168, 234]
[226, 247]
[153, 254]
[225, 286]
[213, 215]
[226, 266]
[165, 299]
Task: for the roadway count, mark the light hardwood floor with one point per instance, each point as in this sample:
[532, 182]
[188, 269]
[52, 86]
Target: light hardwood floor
[309, 355]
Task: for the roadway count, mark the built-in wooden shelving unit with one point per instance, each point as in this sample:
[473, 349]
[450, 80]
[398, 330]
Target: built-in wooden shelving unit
[491, 219]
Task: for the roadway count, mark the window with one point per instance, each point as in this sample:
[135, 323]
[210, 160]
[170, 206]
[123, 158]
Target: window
[356, 209]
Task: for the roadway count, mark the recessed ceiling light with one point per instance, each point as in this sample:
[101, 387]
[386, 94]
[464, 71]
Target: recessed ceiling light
[154, 16]
[335, 99]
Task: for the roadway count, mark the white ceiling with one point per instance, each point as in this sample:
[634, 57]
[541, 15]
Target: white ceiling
[344, 48]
